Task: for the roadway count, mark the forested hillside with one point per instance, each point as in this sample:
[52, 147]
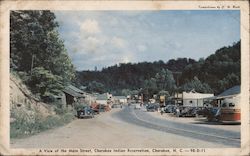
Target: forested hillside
[40, 69]
[214, 74]
[37, 53]
[220, 70]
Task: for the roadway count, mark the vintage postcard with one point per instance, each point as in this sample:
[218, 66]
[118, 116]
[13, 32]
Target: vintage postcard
[124, 77]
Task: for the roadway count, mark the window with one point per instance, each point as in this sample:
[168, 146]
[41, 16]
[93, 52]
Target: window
[231, 104]
[224, 105]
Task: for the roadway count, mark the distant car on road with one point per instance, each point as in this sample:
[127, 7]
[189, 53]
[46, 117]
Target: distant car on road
[85, 112]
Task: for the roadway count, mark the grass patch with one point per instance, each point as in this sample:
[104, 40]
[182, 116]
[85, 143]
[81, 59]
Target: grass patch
[29, 123]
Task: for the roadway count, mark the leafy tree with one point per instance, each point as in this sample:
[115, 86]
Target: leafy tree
[216, 68]
[43, 83]
[96, 87]
[126, 92]
[165, 80]
[150, 87]
[229, 81]
[37, 50]
[197, 85]
[28, 37]
[210, 71]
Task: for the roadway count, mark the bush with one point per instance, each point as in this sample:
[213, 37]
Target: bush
[68, 117]
[28, 123]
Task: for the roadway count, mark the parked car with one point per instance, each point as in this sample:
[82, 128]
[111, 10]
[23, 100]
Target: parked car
[101, 107]
[95, 110]
[85, 112]
[182, 111]
[169, 109]
[212, 114]
[200, 111]
[152, 107]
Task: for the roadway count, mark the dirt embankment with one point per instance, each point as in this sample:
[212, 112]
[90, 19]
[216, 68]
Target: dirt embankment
[21, 99]
[28, 115]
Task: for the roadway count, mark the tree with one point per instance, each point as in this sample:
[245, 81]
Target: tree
[229, 81]
[28, 37]
[197, 85]
[165, 80]
[43, 83]
[150, 87]
[216, 68]
[96, 87]
[126, 92]
[37, 50]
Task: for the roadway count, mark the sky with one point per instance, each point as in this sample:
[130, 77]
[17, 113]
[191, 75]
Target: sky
[105, 38]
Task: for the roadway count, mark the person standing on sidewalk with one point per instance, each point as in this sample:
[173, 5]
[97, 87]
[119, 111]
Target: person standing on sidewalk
[162, 110]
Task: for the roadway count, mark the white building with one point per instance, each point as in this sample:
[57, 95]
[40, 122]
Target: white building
[192, 98]
[121, 99]
[104, 99]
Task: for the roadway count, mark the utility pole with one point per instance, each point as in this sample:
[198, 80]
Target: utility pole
[32, 63]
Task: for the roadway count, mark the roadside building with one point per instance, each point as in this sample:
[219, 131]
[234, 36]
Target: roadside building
[73, 95]
[231, 94]
[191, 99]
[120, 99]
[102, 99]
[105, 98]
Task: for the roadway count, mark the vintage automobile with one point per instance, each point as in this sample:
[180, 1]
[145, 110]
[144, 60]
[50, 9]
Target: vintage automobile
[95, 110]
[212, 114]
[152, 107]
[85, 112]
[169, 108]
[182, 111]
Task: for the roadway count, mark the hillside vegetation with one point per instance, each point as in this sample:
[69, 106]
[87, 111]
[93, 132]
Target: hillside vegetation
[40, 69]
[28, 115]
[38, 54]
[214, 74]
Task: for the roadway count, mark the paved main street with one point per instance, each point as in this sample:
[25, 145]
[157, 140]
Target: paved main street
[130, 128]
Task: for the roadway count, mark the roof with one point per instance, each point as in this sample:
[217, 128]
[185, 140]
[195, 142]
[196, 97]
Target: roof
[196, 95]
[231, 91]
[120, 97]
[102, 97]
[73, 91]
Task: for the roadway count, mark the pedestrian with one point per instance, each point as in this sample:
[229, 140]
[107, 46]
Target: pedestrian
[162, 109]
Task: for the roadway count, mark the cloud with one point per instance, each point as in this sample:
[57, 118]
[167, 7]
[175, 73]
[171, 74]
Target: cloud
[90, 26]
[141, 48]
[92, 43]
[114, 22]
[126, 58]
[118, 42]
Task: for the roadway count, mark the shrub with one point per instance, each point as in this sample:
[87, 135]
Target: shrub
[28, 123]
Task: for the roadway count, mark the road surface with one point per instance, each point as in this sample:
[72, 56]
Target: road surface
[129, 128]
[200, 132]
